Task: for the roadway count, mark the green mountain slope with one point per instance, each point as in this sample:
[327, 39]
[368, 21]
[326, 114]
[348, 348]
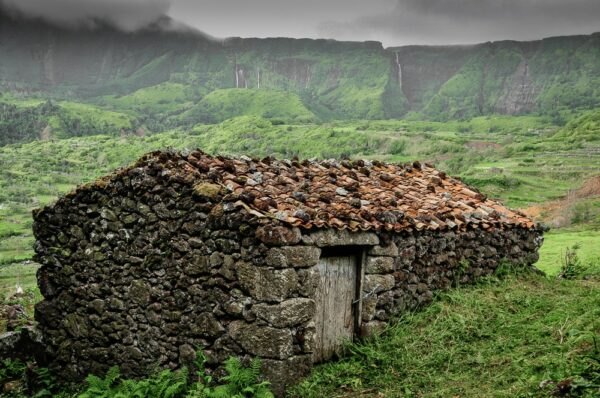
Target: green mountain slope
[334, 79]
[166, 79]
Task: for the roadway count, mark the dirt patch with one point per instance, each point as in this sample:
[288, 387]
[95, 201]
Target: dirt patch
[589, 189]
[559, 213]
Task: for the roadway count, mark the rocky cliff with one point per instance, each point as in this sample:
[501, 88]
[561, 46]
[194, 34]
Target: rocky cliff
[332, 79]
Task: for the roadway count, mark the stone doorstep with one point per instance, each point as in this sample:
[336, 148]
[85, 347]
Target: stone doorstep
[286, 373]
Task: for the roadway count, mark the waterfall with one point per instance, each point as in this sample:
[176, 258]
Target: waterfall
[240, 78]
[237, 76]
[244, 78]
[399, 66]
[258, 77]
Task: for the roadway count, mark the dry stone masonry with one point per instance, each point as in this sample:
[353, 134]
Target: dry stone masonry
[245, 257]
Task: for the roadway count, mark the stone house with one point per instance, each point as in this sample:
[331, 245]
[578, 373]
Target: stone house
[281, 260]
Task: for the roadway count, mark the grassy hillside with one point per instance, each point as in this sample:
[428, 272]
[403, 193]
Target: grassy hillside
[516, 159]
[585, 128]
[28, 120]
[221, 105]
[518, 120]
[163, 98]
[505, 337]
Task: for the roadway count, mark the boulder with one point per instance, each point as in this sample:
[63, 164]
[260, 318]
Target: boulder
[287, 313]
[293, 256]
[262, 341]
[267, 284]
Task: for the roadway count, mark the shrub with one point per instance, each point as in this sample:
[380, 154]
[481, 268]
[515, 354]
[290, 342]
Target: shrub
[571, 266]
[397, 147]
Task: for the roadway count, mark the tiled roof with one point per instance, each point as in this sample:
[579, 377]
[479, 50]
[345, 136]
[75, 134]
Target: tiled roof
[350, 194]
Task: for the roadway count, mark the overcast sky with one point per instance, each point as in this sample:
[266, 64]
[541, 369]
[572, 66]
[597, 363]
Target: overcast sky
[394, 22]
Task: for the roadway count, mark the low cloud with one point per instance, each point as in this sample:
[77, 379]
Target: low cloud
[394, 22]
[128, 15]
[471, 21]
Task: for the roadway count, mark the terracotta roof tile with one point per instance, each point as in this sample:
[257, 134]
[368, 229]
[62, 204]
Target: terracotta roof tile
[355, 195]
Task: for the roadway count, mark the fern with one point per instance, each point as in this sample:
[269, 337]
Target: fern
[102, 388]
[173, 384]
[240, 382]
[238, 375]
[46, 383]
[11, 369]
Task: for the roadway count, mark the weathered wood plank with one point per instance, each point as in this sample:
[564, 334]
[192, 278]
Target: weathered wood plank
[335, 315]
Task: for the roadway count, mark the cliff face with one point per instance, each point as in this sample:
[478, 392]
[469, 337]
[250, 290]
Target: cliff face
[333, 79]
[506, 77]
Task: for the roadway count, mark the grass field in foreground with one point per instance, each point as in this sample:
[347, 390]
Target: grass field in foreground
[495, 339]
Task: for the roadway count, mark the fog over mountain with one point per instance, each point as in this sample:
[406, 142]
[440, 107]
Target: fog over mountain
[394, 22]
[125, 14]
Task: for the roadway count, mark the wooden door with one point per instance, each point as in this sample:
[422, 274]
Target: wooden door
[335, 310]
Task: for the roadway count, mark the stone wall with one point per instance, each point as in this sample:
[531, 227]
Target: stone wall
[407, 271]
[145, 268]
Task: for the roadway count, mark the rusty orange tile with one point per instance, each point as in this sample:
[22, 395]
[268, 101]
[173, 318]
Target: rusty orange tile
[345, 194]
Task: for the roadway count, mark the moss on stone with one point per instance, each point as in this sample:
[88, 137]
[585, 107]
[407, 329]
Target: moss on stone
[208, 190]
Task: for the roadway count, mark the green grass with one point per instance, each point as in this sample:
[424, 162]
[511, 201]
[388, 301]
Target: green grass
[496, 339]
[500, 338]
[556, 243]
[18, 274]
[21, 275]
[583, 128]
[31, 119]
[97, 116]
